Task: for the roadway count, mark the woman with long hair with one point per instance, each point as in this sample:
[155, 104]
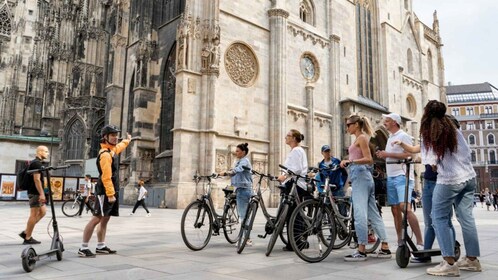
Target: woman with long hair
[455, 186]
[363, 193]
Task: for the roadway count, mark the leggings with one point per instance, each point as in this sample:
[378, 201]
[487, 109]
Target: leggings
[138, 203]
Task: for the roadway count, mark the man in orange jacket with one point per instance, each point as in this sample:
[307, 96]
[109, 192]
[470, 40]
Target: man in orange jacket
[106, 191]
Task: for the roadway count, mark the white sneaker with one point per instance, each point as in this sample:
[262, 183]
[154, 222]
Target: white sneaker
[148, 215]
[131, 214]
[466, 264]
[249, 243]
[444, 269]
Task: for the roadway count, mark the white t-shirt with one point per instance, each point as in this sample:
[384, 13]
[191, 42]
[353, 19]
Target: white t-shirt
[87, 189]
[142, 193]
[394, 170]
[297, 162]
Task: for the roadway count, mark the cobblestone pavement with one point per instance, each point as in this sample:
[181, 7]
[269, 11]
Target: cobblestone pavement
[152, 248]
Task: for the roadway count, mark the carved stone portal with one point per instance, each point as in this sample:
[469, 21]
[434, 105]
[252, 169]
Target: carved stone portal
[241, 64]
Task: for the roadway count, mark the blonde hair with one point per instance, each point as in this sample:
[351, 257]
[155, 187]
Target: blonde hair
[364, 124]
[141, 182]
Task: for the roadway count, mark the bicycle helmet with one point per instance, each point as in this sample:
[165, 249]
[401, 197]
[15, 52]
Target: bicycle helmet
[108, 129]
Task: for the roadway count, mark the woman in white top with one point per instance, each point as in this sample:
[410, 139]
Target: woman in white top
[297, 162]
[142, 192]
[455, 187]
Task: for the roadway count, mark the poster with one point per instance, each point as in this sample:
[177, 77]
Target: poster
[57, 184]
[70, 187]
[8, 186]
[22, 195]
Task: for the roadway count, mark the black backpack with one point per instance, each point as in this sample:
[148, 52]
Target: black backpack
[23, 178]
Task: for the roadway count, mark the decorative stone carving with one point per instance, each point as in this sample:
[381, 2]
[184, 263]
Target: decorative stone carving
[411, 82]
[241, 64]
[221, 161]
[322, 121]
[297, 114]
[278, 13]
[307, 35]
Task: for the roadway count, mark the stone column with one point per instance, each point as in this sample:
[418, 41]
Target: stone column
[278, 101]
[310, 134]
[335, 94]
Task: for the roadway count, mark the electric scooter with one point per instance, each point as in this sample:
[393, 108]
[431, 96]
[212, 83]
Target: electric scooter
[407, 245]
[29, 256]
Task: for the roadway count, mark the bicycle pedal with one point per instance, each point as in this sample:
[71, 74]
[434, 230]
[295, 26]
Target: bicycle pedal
[262, 236]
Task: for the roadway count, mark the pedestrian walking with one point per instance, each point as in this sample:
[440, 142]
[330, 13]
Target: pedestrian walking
[142, 193]
[87, 188]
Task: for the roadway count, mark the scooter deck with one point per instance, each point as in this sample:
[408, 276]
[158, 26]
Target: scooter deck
[426, 253]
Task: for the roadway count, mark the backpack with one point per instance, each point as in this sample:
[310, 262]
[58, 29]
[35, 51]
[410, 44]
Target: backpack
[23, 178]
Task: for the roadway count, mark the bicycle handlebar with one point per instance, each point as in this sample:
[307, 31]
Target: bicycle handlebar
[269, 176]
[330, 168]
[212, 176]
[43, 168]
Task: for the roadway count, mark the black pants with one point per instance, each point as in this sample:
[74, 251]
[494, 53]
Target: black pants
[303, 195]
[138, 203]
[84, 202]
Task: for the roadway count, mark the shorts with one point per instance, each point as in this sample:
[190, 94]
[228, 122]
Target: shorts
[396, 189]
[102, 207]
[34, 201]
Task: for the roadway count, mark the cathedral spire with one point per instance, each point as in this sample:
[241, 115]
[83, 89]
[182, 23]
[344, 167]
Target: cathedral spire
[435, 23]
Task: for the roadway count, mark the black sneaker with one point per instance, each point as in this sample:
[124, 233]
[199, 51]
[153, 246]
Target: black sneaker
[382, 254]
[86, 253]
[105, 251]
[23, 234]
[420, 260]
[30, 241]
[357, 256]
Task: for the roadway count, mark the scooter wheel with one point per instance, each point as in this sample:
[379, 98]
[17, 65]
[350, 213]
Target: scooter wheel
[402, 256]
[457, 250]
[60, 249]
[28, 259]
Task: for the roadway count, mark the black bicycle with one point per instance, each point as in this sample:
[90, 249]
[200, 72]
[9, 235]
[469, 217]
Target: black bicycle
[324, 223]
[200, 220]
[72, 207]
[288, 199]
[255, 201]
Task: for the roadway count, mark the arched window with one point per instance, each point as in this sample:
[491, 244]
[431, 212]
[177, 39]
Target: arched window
[367, 51]
[75, 140]
[473, 156]
[5, 20]
[491, 139]
[168, 102]
[409, 58]
[95, 148]
[429, 66]
[492, 157]
[306, 12]
[472, 139]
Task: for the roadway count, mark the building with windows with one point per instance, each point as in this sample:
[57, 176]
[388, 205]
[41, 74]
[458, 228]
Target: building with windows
[194, 78]
[476, 107]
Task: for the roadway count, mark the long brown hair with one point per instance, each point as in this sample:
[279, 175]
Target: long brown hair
[437, 130]
[364, 124]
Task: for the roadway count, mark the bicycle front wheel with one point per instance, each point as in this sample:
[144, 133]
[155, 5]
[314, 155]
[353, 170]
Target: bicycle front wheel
[343, 234]
[246, 227]
[279, 225]
[312, 231]
[231, 223]
[71, 208]
[196, 225]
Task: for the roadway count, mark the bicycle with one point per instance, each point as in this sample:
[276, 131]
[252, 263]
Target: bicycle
[71, 208]
[330, 219]
[286, 201]
[200, 220]
[254, 202]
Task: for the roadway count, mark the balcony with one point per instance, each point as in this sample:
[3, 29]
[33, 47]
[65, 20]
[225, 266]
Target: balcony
[489, 116]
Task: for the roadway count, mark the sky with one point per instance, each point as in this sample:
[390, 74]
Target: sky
[469, 32]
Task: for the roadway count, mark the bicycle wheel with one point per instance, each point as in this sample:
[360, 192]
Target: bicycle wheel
[196, 225]
[246, 227]
[231, 224]
[312, 231]
[373, 240]
[343, 234]
[279, 225]
[284, 234]
[71, 208]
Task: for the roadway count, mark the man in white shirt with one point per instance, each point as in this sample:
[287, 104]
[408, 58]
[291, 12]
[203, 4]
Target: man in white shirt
[396, 176]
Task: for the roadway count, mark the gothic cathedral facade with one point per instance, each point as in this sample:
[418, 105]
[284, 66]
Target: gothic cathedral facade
[194, 78]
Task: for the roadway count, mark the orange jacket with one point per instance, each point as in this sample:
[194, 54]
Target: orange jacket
[106, 162]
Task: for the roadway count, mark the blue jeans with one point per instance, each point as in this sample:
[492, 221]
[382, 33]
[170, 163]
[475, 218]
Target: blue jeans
[429, 234]
[243, 197]
[461, 196]
[364, 207]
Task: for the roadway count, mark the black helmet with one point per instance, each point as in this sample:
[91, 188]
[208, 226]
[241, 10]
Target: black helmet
[109, 129]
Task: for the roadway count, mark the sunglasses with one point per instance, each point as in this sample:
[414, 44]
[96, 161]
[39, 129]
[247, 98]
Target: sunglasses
[348, 124]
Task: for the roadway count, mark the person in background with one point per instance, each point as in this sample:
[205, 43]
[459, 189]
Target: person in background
[142, 192]
[85, 194]
[337, 177]
[36, 195]
[241, 179]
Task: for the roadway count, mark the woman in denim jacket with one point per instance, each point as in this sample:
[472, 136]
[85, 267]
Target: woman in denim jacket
[242, 180]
